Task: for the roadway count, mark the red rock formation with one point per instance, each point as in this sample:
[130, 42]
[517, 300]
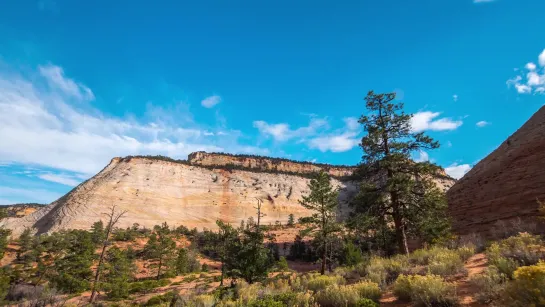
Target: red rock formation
[503, 188]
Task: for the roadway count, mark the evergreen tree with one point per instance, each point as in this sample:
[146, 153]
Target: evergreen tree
[395, 190]
[186, 262]
[322, 224]
[72, 271]
[161, 247]
[97, 232]
[118, 273]
[226, 237]
[352, 254]
[291, 220]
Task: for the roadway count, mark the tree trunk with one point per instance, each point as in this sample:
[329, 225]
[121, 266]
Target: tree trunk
[324, 257]
[100, 262]
[159, 270]
[401, 236]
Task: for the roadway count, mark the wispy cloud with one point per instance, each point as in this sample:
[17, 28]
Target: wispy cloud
[283, 132]
[422, 156]
[61, 178]
[483, 1]
[341, 140]
[457, 171]
[455, 98]
[532, 77]
[9, 195]
[427, 120]
[210, 102]
[482, 123]
[45, 124]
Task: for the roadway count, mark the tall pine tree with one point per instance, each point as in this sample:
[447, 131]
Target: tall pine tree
[395, 188]
[322, 224]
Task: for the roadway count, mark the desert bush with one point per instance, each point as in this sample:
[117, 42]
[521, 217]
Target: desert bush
[147, 285]
[528, 286]
[365, 302]
[337, 296]
[525, 249]
[247, 293]
[368, 290]
[320, 282]
[384, 271]
[429, 290]
[349, 295]
[159, 300]
[465, 252]
[445, 262]
[490, 285]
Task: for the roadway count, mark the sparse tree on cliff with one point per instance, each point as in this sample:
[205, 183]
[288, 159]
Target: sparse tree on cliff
[161, 247]
[396, 190]
[99, 235]
[323, 201]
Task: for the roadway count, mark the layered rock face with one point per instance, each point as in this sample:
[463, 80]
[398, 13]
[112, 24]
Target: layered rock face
[268, 164]
[192, 193]
[504, 187]
[155, 191]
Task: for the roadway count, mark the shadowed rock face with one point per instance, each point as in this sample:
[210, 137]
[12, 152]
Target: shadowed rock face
[503, 188]
[193, 194]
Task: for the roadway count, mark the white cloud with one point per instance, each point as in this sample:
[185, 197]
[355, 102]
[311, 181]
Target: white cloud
[482, 123]
[457, 171]
[351, 123]
[455, 98]
[9, 195]
[47, 126]
[534, 79]
[483, 1]
[425, 120]
[282, 131]
[57, 81]
[335, 143]
[210, 102]
[60, 178]
[541, 58]
[449, 144]
[422, 156]
[530, 66]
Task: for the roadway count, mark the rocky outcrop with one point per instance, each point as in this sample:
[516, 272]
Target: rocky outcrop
[266, 164]
[192, 193]
[504, 187]
[21, 210]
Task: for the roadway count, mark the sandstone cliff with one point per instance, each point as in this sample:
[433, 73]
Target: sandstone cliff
[192, 193]
[504, 186]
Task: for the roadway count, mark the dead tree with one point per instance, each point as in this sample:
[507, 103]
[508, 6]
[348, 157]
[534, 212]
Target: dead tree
[113, 219]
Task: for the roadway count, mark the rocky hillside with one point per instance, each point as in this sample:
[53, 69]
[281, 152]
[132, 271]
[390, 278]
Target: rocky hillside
[192, 193]
[504, 187]
[21, 210]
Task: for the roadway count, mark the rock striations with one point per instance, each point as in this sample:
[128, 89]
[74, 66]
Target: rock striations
[503, 187]
[192, 193]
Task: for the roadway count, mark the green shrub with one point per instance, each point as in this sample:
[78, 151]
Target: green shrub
[316, 282]
[384, 271]
[266, 302]
[490, 285]
[365, 302]
[147, 286]
[445, 263]
[161, 299]
[525, 249]
[465, 252]
[528, 286]
[505, 266]
[368, 290]
[337, 296]
[349, 295]
[429, 290]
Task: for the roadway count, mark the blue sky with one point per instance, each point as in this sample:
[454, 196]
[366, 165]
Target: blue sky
[84, 81]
